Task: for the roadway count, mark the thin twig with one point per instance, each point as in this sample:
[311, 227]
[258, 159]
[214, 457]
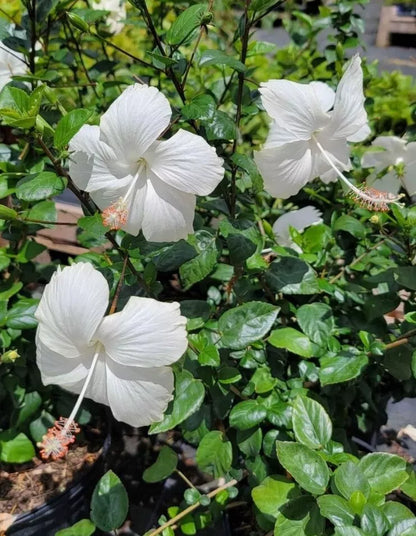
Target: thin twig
[191, 508]
[118, 289]
[357, 260]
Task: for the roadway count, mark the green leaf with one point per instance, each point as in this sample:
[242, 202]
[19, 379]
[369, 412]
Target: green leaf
[22, 314]
[164, 466]
[350, 225]
[217, 57]
[385, 472]
[305, 465]
[404, 528]
[246, 324]
[94, 231]
[200, 107]
[311, 423]
[109, 503]
[340, 368]
[349, 478]
[29, 251]
[292, 340]
[396, 512]
[247, 414]
[336, 509]
[189, 395]
[40, 186]
[290, 275]
[316, 321]
[249, 441]
[214, 454]
[227, 375]
[15, 448]
[7, 213]
[373, 521]
[45, 211]
[172, 257]
[69, 125]
[31, 403]
[240, 248]
[409, 487]
[406, 276]
[348, 531]
[249, 166]
[274, 492]
[202, 265]
[299, 517]
[220, 127]
[183, 27]
[85, 527]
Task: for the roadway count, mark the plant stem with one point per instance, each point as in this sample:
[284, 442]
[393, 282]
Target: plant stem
[118, 289]
[240, 91]
[191, 508]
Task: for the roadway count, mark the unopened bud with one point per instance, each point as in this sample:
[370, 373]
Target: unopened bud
[10, 356]
[77, 22]
[375, 218]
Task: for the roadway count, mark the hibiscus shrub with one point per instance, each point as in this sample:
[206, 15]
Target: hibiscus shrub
[262, 198]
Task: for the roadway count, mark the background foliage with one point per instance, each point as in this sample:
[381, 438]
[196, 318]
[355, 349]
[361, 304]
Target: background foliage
[290, 354]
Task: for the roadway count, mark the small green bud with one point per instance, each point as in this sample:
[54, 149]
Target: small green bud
[77, 22]
[206, 18]
[9, 357]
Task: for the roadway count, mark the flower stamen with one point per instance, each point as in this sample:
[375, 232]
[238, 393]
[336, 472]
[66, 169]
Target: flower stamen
[55, 442]
[368, 197]
[115, 216]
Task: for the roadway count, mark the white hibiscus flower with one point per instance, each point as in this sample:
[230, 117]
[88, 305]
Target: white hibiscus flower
[140, 182]
[117, 13]
[399, 158]
[119, 360]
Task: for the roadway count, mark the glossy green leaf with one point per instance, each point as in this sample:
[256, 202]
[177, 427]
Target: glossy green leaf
[293, 341]
[246, 324]
[290, 275]
[336, 509]
[316, 321]
[214, 454]
[350, 225]
[109, 503]
[183, 27]
[69, 125]
[385, 472]
[349, 478]
[40, 186]
[299, 517]
[22, 314]
[274, 492]
[189, 395]
[249, 441]
[217, 57]
[164, 466]
[340, 368]
[311, 423]
[15, 448]
[85, 527]
[247, 414]
[305, 465]
[373, 521]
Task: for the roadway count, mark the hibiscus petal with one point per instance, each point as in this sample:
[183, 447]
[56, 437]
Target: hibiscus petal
[325, 95]
[134, 121]
[86, 149]
[58, 370]
[392, 149]
[285, 169]
[168, 213]
[145, 333]
[349, 118]
[72, 306]
[336, 150]
[186, 162]
[298, 219]
[136, 396]
[296, 109]
[409, 179]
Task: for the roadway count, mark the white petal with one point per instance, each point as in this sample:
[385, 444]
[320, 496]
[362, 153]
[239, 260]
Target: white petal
[285, 169]
[134, 121]
[186, 162]
[388, 183]
[136, 396]
[409, 179]
[299, 219]
[71, 308]
[168, 213]
[388, 150]
[92, 163]
[336, 150]
[295, 108]
[325, 95]
[349, 118]
[146, 333]
[56, 369]
[11, 63]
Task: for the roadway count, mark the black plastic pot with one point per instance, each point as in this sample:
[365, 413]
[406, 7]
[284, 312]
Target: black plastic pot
[65, 509]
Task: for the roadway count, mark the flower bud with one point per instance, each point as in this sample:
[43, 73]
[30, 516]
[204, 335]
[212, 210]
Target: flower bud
[77, 22]
[9, 357]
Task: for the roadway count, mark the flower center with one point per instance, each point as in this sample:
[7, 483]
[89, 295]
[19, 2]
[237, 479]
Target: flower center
[116, 215]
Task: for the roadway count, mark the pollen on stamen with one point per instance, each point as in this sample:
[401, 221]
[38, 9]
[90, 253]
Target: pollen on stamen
[115, 216]
[55, 442]
[374, 199]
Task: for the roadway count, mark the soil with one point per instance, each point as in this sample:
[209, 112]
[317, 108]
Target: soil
[26, 486]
